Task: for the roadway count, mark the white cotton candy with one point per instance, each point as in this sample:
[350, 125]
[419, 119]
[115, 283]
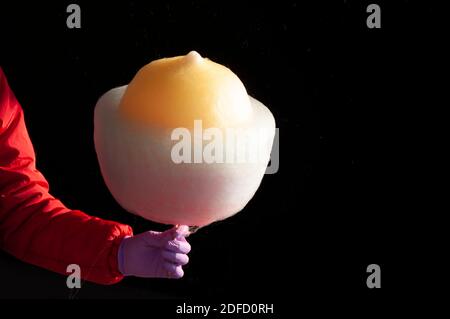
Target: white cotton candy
[139, 167]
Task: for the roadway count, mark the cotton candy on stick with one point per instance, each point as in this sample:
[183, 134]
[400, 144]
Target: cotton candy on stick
[139, 129]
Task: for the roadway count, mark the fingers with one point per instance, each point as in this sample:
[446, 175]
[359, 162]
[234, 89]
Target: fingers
[176, 232]
[182, 231]
[175, 252]
[158, 239]
[178, 246]
[173, 270]
[175, 258]
[182, 238]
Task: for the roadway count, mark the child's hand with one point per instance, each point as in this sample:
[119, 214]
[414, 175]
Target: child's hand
[154, 254]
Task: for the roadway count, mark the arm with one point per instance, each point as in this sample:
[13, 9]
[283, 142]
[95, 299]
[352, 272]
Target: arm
[37, 228]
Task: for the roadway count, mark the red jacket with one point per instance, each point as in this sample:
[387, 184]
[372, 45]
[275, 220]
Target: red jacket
[36, 227]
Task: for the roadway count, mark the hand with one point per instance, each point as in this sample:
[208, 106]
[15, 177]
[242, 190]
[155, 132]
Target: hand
[155, 254]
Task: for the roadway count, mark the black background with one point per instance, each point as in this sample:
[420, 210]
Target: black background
[342, 95]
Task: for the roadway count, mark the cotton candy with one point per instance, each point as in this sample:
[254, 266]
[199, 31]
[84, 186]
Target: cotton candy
[136, 141]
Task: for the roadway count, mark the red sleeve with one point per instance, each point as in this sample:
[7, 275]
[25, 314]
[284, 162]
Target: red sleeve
[34, 226]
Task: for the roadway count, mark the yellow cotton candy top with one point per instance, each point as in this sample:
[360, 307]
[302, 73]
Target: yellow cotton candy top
[173, 92]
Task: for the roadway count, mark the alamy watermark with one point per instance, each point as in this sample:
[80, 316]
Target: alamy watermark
[74, 279]
[374, 279]
[374, 19]
[225, 145]
[73, 20]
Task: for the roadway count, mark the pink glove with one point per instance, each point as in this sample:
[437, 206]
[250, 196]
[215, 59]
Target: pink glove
[154, 254]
